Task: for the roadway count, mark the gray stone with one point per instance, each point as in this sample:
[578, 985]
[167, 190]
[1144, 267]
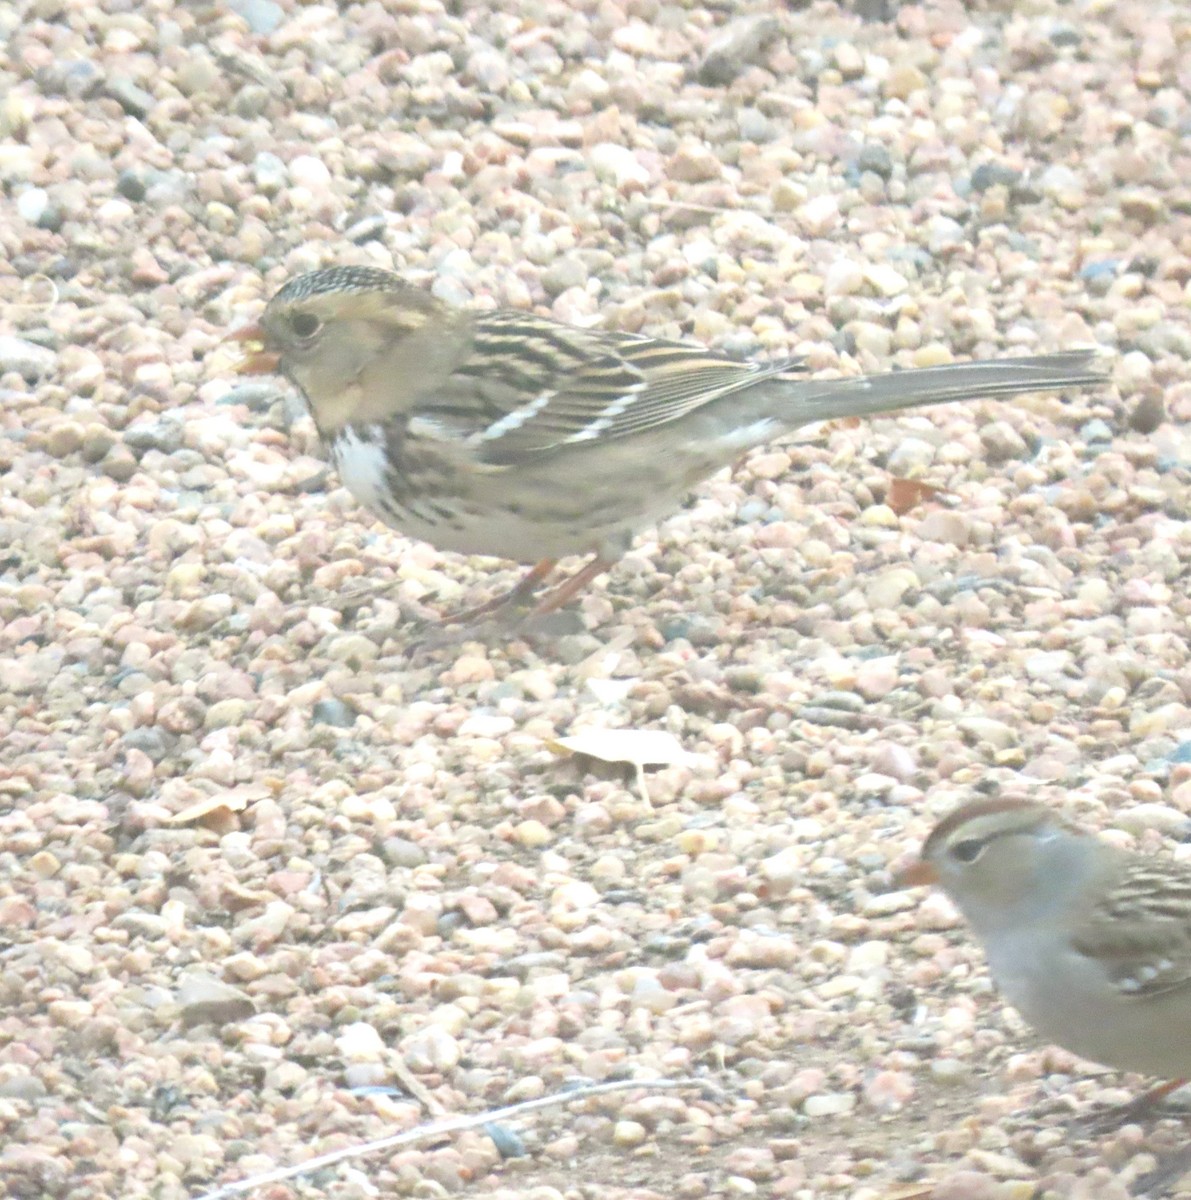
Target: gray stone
[740, 44]
[401, 852]
[205, 1000]
[562, 274]
[945, 235]
[333, 712]
[51, 218]
[151, 740]
[250, 101]
[258, 397]
[1148, 413]
[269, 173]
[132, 98]
[366, 229]
[198, 74]
[164, 435]
[75, 78]
[1002, 442]
[1095, 431]
[131, 185]
[754, 125]
[911, 454]
[992, 175]
[22, 1087]
[168, 187]
[876, 158]
[26, 358]
[261, 16]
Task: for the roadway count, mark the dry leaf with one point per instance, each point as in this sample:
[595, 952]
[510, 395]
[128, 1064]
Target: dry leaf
[611, 691]
[904, 494]
[218, 809]
[640, 748]
[603, 662]
[236, 898]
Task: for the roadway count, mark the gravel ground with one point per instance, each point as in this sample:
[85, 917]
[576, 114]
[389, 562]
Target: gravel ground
[275, 880]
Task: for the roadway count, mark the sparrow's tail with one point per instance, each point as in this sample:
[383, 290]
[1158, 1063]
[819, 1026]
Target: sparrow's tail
[829, 399]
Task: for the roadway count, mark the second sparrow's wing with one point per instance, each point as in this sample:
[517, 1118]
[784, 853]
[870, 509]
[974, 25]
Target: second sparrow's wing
[1141, 931]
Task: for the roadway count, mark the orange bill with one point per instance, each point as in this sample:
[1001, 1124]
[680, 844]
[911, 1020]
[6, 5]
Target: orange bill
[257, 360]
[916, 874]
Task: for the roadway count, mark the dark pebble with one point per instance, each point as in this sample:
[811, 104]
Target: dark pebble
[256, 397]
[134, 100]
[874, 157]
[1095, 432]
[1148, 413]
[446, 925]
[507, 1143]
[76, 78]
[368, 229]
[1065, 34]
[740, 44]
[165, 436]
[150, 740]
[744, 679]
[333, 712]
[130, 185]
[522, 964]
[835, 717]
[991, 174]
[251, 100]
[51, 218]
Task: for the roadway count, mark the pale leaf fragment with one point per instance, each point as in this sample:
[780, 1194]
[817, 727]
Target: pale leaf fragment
[640, 748]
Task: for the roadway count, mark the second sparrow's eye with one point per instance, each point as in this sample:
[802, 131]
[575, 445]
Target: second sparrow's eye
[967, 851]
[305, 325]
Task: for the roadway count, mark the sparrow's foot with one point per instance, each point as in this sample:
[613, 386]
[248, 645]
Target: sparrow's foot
[1140, 1108]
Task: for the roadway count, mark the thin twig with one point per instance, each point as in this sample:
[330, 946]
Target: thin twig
[642, 784]
[711, 210]
[414, 1087]
[437, 1129]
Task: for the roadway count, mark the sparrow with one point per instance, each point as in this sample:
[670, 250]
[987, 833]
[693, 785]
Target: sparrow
[512, 435]
[1090, 942]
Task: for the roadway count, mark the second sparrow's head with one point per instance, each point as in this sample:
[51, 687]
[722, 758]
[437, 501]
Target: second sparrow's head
[1005, 862]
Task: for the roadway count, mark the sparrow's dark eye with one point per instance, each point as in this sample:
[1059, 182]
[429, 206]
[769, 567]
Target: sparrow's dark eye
[967, 851]
[305, 325]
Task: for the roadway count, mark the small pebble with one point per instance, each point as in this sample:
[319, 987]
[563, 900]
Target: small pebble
[25, 358]
[204, 1000]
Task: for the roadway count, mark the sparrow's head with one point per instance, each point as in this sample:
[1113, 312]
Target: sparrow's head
[349, 337]
[1001, 860]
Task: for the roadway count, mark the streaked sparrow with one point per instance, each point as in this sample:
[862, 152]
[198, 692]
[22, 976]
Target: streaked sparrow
[509, 434]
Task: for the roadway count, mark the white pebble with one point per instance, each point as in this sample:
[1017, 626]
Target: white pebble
[309, 172]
